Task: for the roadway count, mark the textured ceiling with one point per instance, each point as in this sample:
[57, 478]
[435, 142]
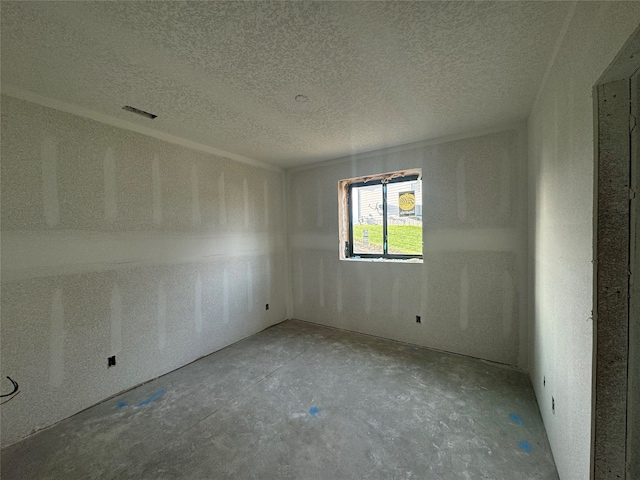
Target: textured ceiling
[225, 74]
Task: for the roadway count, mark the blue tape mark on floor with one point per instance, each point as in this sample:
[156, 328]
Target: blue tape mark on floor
[121, 405]
[524, 446]
[152, 398]
[516, 419]
[314, 410]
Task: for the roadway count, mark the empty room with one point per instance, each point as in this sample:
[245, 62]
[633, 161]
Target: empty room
[319, 240]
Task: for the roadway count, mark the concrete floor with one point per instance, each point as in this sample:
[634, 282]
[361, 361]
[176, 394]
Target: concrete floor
[306, 402]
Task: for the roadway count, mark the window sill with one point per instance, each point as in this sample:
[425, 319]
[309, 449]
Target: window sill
[383, 260]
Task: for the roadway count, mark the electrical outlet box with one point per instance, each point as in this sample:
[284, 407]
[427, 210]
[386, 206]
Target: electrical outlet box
[267, 306]
[418, 320]
[111, 361]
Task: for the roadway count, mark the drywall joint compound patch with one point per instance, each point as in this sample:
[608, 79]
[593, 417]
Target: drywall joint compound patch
[321, 282]
[222, 201]
[505, 183]
[156, 181]
[508, 293]
[245, 191]
[225, 296]
[195, 196]
[116, 320]
[300, 289]
[249, 287]
[464, 298]
[162, 316]
[49, 154]
[110, 186]
[339, 289]
[56, 346]
[461, 192]
[266, 203]
[319, 198]
[198, 304]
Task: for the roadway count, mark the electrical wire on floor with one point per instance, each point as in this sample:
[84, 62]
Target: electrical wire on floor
[12, 394]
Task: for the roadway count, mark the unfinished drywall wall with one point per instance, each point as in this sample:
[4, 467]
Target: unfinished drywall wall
[471, 289]
[115, 243]
[561, 173]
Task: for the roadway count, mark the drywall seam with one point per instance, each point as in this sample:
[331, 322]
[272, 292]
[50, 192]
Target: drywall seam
[56, 342]
[245, 198]
[268, 268]
[156, 180]
[319, 199]
[49, 181]
[505, 184]
[45, 253]
[516, 125]
[198, 304]
[444, 240]
[522, 257]
[464, 298]
[116, 320]
[110, 186]
[300, 287]
[222, 201]
[298, 206]
[287, 239]
[266, 203]
[195, 197]
[225, 297]
[507, 304]
[321, 282]
[25, 95]
[424, 293]
[461, 192]
[556, 48]
[249, 287]
[161, 315]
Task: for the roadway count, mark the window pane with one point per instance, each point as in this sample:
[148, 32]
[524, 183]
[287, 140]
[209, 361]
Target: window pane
[404, 217]
[366, 215]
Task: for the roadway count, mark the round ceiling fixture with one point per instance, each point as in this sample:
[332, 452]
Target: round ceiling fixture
[302, 98]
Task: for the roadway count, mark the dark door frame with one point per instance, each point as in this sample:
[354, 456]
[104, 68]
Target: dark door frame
[615, 336]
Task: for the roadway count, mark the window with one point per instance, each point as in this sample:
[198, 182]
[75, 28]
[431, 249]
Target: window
[381, 216]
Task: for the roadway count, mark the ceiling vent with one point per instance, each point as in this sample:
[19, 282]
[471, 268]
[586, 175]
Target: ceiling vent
[135, 110]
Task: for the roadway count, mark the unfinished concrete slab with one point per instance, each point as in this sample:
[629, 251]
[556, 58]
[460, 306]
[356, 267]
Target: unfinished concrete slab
[304, 401]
